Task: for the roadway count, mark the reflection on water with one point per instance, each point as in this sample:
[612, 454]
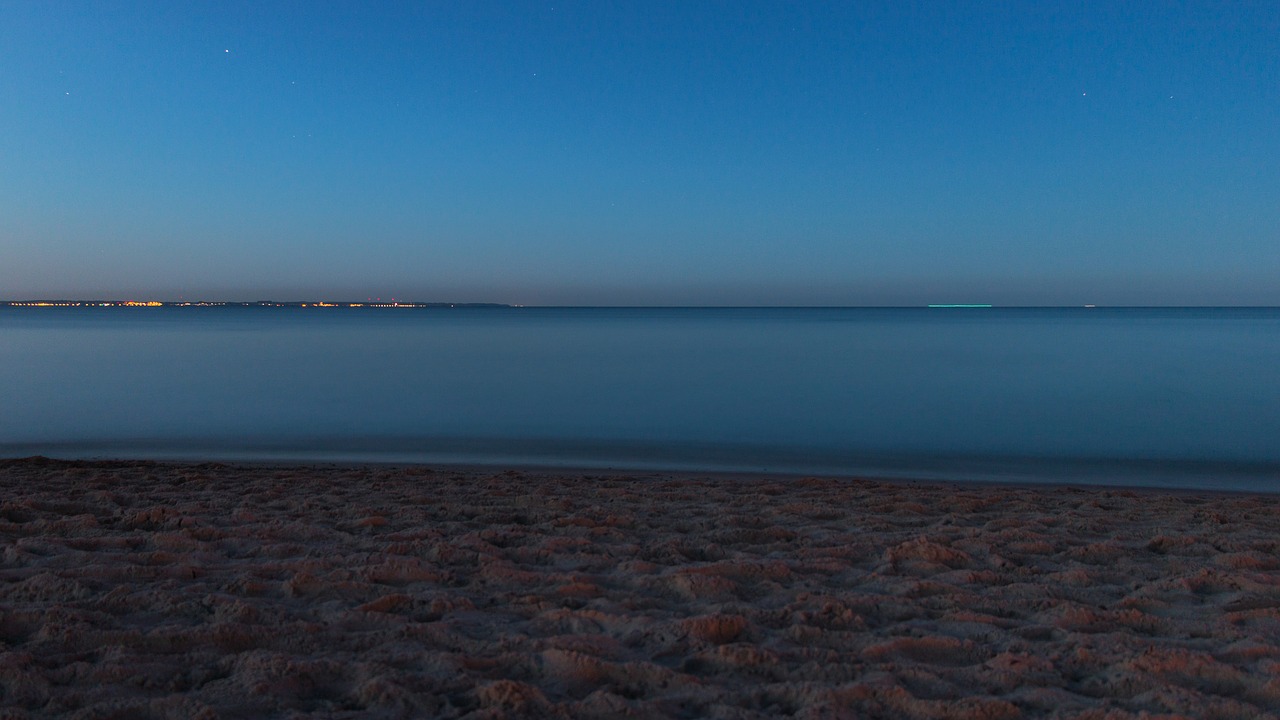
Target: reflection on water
[902, 390]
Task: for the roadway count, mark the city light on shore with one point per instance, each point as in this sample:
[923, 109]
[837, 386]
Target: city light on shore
[260, 303]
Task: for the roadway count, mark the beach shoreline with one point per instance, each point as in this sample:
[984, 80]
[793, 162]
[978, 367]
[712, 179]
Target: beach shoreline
[378, 590]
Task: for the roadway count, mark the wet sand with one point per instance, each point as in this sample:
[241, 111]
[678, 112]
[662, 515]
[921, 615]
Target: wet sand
[229, 591]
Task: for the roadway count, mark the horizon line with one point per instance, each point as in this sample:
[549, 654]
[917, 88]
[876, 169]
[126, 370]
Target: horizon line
[435, 304]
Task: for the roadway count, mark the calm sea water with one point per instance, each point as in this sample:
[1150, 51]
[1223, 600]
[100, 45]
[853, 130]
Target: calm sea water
[1177, 397]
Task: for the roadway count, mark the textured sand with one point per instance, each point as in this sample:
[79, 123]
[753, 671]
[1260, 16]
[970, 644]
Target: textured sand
[202, 591]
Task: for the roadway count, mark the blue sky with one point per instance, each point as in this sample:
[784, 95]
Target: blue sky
[651, 153]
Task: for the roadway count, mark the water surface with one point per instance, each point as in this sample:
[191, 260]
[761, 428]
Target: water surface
[1163, 396]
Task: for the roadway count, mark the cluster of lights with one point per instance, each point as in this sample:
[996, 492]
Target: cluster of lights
[122, 303]
[157, 303]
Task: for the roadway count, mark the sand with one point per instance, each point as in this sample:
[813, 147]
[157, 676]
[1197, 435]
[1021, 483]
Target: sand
[222, 591]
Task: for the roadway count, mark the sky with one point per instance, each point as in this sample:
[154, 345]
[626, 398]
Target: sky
[578, 152]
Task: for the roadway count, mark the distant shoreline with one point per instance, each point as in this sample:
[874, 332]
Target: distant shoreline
[254, 304]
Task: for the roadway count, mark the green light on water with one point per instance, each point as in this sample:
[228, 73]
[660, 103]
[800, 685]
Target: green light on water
[959, 306]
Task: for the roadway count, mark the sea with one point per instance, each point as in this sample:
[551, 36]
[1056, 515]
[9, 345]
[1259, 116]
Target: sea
[1167, 397]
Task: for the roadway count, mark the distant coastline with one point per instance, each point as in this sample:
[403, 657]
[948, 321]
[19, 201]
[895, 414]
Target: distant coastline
[257, 303]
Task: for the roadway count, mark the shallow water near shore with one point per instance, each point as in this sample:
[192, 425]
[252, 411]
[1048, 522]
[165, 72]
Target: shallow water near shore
[1176, 397]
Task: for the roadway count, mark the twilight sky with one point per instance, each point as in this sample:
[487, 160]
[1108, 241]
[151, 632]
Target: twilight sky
[583, 152]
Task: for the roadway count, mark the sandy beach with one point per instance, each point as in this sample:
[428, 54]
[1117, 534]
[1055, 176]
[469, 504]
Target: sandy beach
[136, 590]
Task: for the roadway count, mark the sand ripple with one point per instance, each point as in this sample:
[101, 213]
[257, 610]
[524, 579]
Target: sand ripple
[212, 591]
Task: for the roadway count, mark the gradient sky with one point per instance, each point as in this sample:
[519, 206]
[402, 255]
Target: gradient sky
[576, 152]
